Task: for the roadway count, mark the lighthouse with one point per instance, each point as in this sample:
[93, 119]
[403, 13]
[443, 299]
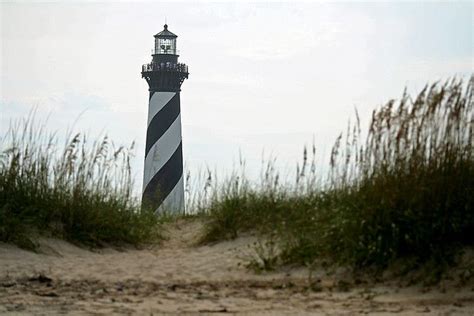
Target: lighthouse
[163, 184]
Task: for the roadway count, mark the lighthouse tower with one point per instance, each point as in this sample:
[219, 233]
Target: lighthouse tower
[163, 186]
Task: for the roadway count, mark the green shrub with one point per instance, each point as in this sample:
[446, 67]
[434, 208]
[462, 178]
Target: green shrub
[79, 192]
[406, 191]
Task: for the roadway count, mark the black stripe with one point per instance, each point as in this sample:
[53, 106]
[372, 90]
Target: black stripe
[164, 180]
[161, 122]
[151, 94]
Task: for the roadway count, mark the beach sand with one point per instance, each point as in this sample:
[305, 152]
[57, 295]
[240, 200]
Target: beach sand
[179, 277]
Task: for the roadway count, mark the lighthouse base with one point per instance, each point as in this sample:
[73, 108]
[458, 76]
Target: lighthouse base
[174, 202]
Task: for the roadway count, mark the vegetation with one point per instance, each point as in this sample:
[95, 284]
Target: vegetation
[79, 192]
[405, 190]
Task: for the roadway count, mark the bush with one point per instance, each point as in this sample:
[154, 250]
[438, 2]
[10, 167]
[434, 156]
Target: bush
[79, 192]
[406, 191]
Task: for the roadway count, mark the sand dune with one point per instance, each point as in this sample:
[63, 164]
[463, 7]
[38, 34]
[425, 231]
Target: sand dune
[179, 277]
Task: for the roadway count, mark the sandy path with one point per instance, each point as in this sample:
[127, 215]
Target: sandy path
[181, 278]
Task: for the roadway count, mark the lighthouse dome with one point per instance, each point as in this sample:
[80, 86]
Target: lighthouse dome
[165, 33]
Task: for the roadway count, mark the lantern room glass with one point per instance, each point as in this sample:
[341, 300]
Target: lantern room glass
[165, 46]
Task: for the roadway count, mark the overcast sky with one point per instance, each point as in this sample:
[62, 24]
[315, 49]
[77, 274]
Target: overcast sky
[263, 76]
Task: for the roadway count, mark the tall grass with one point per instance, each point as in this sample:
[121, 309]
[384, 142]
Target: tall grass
[81, 192]
[405, 189]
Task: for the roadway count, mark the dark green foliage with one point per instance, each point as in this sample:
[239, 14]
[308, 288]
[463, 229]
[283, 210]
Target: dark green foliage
[82, 192]
[406, 191]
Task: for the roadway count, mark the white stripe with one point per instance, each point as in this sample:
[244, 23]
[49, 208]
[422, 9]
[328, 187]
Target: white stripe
[162, 150]
[174, 202]
[157, 102]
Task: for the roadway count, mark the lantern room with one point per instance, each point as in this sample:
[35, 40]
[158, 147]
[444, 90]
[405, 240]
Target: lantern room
[165, 42]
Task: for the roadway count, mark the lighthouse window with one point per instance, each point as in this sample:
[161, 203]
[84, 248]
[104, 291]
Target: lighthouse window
[165, 46]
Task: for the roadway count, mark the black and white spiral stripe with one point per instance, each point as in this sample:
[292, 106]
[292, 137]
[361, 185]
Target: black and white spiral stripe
[163, 187]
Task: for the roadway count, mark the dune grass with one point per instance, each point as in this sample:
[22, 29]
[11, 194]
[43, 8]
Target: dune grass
[80, 192]
[404, 190]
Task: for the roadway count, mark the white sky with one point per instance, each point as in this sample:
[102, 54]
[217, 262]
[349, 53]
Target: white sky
[263, 76]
